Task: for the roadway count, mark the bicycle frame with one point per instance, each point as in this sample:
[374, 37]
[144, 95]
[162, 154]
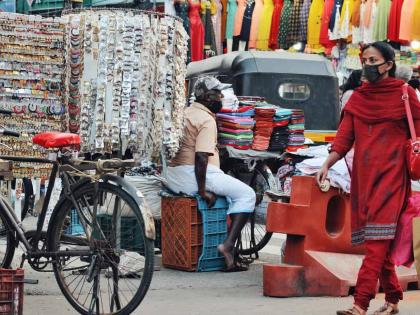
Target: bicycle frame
[33, 249]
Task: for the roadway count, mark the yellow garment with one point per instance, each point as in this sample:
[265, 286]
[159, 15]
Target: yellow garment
[314, 24]
[264, 27]
[211, 4]
[415, 21]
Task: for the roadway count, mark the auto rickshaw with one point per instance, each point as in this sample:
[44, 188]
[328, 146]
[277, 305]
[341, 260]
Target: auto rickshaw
[289, 80]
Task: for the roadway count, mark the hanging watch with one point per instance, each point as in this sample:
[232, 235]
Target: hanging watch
[33, 108]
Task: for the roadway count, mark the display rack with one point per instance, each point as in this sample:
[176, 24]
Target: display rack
[31, 84]
[125, 75]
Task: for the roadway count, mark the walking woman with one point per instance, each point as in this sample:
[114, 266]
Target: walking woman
[375, 123]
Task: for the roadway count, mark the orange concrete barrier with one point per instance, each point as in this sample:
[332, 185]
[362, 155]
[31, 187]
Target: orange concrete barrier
[319, 258]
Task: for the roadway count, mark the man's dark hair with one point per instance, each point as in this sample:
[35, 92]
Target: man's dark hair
[353, 82]
[414, 83]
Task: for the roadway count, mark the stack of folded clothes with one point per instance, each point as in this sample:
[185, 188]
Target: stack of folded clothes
[280, 137]
[263, 126]
[296, 131]
[235, 127]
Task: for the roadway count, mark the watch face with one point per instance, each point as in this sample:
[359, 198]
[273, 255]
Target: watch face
[32, 108]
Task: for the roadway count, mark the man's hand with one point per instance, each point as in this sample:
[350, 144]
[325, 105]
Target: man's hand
[209, 197]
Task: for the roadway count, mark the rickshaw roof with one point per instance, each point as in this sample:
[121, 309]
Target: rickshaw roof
[236, 63]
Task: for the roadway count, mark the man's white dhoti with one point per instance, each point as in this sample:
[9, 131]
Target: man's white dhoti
[241, 197]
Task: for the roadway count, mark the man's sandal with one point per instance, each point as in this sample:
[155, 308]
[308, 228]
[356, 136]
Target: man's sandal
[387, 309]
[351, 311]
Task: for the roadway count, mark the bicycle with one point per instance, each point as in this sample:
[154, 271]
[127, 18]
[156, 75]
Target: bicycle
[254, 236]
[99, 240]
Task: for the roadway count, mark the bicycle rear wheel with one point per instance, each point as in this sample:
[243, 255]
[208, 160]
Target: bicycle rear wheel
[254, 235]
[7, 241]
[115, 276]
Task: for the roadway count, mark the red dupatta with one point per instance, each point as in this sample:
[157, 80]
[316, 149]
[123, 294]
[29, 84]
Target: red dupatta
[381, 101]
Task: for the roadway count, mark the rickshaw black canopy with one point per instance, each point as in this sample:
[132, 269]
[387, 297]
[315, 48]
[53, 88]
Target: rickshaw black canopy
[289, 80]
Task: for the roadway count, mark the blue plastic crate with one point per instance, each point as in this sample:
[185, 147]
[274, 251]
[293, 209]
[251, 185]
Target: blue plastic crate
[214, 233]
[75, 227]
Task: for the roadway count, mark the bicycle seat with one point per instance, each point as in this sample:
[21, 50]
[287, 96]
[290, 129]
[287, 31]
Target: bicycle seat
[56, 139]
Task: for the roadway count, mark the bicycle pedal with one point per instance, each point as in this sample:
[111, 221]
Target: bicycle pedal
[22, 262]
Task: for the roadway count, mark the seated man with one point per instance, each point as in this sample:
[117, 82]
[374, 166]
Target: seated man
[196, 167]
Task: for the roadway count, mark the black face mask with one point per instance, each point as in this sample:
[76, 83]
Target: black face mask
[371, 72]
[215, 106]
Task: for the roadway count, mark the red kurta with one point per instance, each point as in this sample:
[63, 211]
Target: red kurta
[275, 24]
[395, 20]
[374, 121]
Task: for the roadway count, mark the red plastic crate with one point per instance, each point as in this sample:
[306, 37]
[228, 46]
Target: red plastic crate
[182, 233]
[11, 291]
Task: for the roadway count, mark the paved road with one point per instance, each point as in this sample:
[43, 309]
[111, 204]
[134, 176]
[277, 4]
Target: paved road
[180, 293]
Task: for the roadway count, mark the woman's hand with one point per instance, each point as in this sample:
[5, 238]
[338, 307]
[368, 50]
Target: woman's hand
[321, 176]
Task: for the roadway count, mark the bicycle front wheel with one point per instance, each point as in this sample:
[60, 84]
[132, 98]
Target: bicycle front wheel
[7, 240]
[115, 271]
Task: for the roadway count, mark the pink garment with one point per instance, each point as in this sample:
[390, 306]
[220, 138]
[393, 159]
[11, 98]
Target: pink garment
[239, 17]
[253, 36]
[402, 247]
[406, 13]
[217, 25]
[234, 130]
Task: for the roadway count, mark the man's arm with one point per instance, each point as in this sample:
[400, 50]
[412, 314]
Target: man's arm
[200, 168]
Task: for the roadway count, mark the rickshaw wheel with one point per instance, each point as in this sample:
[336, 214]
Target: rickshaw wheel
[254, 235]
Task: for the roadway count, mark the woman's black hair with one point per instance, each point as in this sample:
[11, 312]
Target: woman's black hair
[353, 82]
[387, 52]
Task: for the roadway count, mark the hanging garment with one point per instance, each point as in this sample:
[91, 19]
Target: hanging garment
[196, 31]
[314, 24]
[285, 24]
[355, 14]
[265, 25]
[181, 9]
[230, 21]
[395, 20]
[210, 49]
[224, 17]
[253, 36]
[324, 39]
[169, 7]
[380, 28]
[239, 17]
[334, 25]
[304, 16]
[247, 21]
[217, 25]
[355, 22]
[415, 21]
[346, 11]
[369, 17]
[275, 24]
[406, 15]
[293, 36]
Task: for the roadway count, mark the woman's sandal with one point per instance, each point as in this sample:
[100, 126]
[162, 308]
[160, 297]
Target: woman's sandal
[387, 309]
[351, 311]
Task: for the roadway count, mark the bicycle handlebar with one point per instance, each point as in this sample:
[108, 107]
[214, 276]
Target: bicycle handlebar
[115, 164]
[6, 112]
[10, 133]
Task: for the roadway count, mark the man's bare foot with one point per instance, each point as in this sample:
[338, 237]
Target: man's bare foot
[230, 262]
